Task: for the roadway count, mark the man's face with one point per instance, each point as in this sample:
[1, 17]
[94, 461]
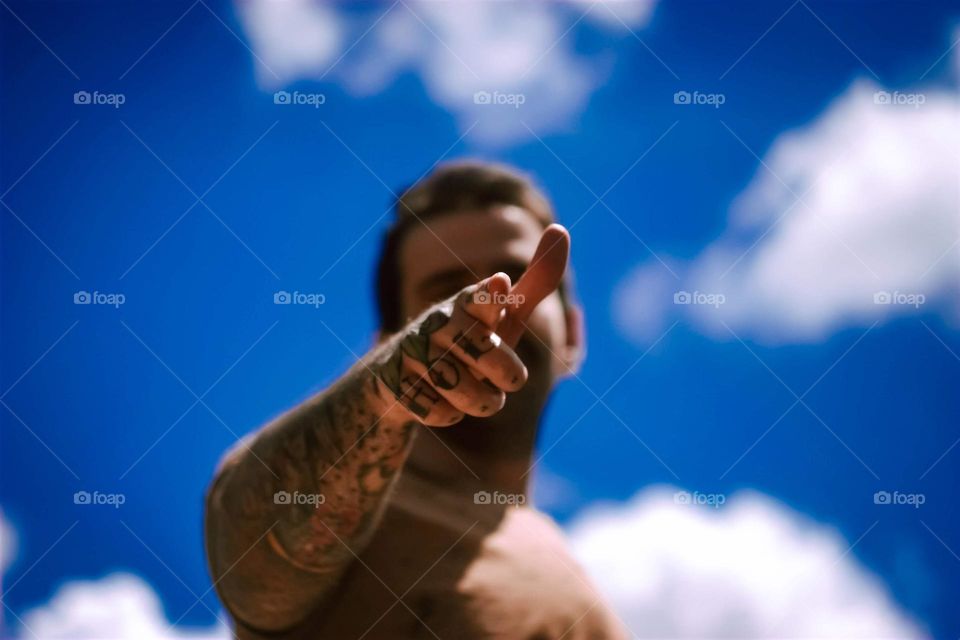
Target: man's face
[460, 249]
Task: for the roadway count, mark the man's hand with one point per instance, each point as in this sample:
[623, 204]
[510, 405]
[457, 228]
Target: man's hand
[457, 357]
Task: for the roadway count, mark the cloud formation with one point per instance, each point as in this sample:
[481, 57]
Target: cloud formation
[751, 568]
[291, 39]
[851, 220]
[118, 606]
[501, 68]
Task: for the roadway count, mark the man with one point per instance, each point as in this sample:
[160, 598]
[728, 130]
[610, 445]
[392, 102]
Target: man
[394, 504]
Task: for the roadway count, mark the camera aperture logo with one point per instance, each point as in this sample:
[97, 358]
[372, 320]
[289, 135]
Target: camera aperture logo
[697, 98]
[498, 498]
[498, 98]
[914, 100]
[896, 498]
[98, 297]
[714, 500]
[299, 98]
[297, 498]
[699, 297]
[504, 299]
[115, 100]
[899, 298]
[97, 498]
[301, 298]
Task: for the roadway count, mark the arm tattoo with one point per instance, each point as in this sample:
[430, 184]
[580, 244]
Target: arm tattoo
[286, 514]
[334, 461]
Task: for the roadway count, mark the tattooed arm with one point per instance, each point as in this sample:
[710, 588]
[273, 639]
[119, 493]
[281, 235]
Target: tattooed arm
[289, 509]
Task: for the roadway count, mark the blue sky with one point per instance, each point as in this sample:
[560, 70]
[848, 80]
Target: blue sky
[199, 197]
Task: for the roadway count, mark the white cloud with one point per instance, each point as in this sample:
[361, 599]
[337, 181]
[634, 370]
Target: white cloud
[750, 569]
[641, 301]
[617, 14]
[551, 491]
[120, 606]
[8, 544]
[880, 212]
[291, 39]
[463, 53]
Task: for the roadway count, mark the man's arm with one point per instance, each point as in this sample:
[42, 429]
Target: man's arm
[288, 510]
[285, 512]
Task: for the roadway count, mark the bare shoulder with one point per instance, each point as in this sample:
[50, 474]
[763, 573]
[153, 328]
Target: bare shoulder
[526, 571]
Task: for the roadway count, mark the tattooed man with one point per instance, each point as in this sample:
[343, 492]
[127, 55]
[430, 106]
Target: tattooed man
[394, 504]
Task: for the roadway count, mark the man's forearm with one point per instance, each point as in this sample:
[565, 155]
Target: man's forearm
[287, 513]
[293, 506]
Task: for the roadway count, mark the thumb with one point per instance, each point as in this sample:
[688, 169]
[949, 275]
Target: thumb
[541, 278]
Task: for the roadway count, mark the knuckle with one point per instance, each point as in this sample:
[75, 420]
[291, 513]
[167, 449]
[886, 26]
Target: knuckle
[419, 398]
[465, 296]
[473, 341]
[434, 320]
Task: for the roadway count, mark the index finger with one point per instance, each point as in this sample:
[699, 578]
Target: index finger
[541, 278]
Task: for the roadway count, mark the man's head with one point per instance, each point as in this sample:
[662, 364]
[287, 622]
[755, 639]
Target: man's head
[461, 223]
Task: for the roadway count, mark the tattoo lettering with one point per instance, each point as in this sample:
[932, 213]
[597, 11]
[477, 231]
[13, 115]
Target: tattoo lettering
[470, 346]
[443, 372]
[416, 395]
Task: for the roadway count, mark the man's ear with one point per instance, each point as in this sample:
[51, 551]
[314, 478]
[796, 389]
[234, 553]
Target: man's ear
[575, 348]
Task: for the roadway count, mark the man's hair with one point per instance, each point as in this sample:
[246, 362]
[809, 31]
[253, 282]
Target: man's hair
[450, 188]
